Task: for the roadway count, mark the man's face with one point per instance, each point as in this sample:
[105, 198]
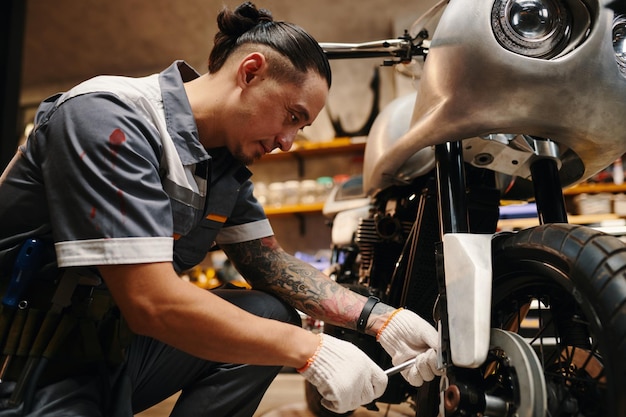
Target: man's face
[272, 113]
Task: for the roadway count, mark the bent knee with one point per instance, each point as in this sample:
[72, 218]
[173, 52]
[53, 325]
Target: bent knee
[261, 304]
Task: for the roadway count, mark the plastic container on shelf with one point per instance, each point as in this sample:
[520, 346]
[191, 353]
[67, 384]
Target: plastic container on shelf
[619, 204]
[308, 191]
[618, 172]
[324, 187]
[599, 203]
[275, 194]
[291, 192]
[340, 178]
[261, 192]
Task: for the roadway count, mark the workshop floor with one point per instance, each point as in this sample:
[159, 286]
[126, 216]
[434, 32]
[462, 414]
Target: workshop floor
[285, 398]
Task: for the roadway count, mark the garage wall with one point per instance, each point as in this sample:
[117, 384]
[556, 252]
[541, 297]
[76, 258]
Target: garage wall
[68, 41]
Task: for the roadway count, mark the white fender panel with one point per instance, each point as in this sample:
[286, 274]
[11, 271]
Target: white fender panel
[467, 263]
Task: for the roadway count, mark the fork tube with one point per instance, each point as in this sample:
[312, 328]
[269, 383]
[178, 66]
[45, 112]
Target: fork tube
[453, 214]
[548, 191]
[453, 218]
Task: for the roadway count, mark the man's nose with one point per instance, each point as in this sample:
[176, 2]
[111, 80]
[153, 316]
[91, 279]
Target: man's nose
[285, 141]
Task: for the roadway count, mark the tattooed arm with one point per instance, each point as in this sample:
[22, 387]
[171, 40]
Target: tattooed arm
[266, 266]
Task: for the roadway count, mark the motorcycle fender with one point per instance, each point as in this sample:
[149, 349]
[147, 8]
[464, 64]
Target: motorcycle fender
[467, 263]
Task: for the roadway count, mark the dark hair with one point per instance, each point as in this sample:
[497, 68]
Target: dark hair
[249, 25]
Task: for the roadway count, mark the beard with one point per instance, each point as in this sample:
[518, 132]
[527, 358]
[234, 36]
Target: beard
[243, 157]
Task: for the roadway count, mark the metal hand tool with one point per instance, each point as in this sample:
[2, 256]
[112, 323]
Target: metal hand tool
[399, 368]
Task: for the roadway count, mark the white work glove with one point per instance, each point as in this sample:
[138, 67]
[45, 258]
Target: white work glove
[344, 375]
[406, 336]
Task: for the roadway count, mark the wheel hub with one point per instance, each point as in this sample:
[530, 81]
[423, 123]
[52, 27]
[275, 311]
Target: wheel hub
[515, 365]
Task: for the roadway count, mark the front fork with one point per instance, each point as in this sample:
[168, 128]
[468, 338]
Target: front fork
[464, 276]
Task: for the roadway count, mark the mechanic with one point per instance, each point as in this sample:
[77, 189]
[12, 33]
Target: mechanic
[131, 181]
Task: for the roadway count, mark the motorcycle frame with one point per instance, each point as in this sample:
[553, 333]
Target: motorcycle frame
[464, 305]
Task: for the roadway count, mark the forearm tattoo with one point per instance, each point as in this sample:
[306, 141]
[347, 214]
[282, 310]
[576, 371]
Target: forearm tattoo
[266, 266]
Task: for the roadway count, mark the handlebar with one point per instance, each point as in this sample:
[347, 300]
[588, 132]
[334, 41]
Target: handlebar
[403, 49]
[413, 43]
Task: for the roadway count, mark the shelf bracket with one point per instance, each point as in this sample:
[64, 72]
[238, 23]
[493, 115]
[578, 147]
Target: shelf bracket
[302, 223]
[300, 162]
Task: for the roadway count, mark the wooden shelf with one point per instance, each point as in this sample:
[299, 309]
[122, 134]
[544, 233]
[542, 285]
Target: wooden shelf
[297, 210]
[522, 223]
[308, 149]
[299, 153]
[294, 209]
[595, 188]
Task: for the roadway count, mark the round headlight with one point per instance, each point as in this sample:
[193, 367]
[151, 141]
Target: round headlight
[533, 28]
[619, 42]
[530, 19]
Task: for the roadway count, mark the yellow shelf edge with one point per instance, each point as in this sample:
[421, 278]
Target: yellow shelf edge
[294, 209]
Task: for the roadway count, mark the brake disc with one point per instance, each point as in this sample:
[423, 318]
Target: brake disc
[528, 372]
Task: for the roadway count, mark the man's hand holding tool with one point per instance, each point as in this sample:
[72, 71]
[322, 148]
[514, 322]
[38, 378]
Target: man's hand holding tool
[409, 338]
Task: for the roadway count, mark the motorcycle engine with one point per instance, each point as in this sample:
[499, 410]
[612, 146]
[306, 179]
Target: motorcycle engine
[382, 236]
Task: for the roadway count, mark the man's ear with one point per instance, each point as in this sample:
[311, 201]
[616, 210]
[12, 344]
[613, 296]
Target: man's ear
[251, 67]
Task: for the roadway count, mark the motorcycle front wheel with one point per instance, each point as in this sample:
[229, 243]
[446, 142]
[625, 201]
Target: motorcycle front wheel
[563, 289]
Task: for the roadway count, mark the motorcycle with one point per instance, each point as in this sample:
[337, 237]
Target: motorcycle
[517, 100]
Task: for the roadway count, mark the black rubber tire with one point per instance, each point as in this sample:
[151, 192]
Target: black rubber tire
[579, 274]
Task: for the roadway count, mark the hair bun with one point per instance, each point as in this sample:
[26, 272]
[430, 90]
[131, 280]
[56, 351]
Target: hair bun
[247, 25]
[244, 18]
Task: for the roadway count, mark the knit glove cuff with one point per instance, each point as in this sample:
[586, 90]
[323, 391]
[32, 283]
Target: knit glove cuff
[407, 336]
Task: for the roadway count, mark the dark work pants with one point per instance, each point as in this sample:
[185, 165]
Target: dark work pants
[154, 371]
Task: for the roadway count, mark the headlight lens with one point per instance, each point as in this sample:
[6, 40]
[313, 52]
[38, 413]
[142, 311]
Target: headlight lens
[619, 42]
[533, 28]
[531, 20]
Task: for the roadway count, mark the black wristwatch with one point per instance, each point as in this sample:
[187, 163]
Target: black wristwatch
[365, 313]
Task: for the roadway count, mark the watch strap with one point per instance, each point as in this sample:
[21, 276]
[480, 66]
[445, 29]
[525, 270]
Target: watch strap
[365, 313]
